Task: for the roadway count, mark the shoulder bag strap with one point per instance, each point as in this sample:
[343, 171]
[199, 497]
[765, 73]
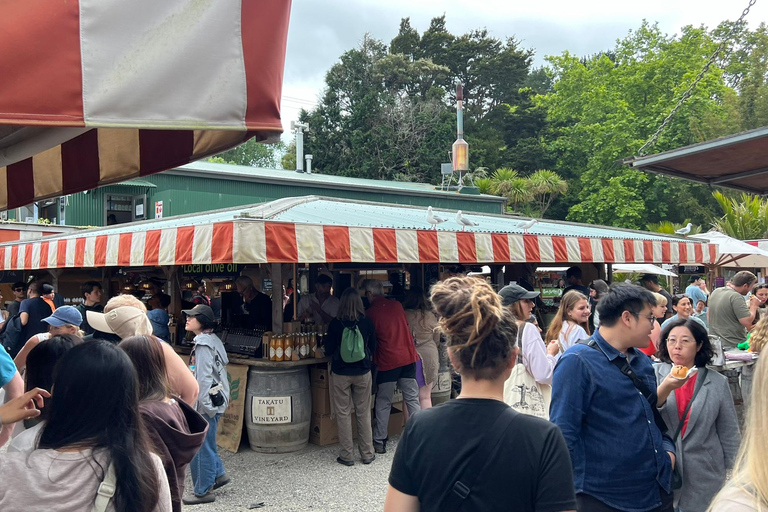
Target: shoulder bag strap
[699, 382]
[106, 490]
[626, 369]
[478, 463]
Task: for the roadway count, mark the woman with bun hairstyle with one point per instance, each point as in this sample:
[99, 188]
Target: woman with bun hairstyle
[760, 291]
[747, 489]
[175, 429]
[571, 323]
[708, 438]
[523, 460]
[94, 433]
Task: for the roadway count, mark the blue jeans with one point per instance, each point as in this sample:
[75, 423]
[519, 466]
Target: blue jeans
[206, 467]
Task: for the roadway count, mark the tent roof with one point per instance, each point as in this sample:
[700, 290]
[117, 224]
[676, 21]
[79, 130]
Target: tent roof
[315, 229]
[738, 161]
[734, 252]
[99, 92]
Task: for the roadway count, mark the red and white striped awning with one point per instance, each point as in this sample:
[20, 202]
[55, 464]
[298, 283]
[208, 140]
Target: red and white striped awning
[100, 91]
[250, 236]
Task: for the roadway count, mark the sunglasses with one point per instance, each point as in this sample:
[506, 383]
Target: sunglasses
[18, 289]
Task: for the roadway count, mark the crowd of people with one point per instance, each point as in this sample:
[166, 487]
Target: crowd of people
[103, 413]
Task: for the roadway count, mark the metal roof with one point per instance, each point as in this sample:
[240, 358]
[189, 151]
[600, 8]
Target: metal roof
[340, 212]
[738, 161]
[363, 214]
[242, 172]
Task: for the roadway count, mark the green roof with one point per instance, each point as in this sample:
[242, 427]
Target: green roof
[242, 172]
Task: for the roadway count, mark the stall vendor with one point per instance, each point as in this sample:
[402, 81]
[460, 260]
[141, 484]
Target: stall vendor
[256, 309]
[319, 307]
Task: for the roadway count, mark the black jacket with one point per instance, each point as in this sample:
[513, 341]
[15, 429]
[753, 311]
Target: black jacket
[333, 346]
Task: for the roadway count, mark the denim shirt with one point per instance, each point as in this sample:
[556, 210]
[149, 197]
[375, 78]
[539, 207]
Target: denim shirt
[619, 456]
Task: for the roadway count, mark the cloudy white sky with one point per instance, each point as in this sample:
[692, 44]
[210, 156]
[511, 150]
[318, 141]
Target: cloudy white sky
[321, 30]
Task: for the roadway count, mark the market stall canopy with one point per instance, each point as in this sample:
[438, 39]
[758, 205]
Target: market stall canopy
[738, 161]
[314, 229]
[733, 252]
[641, 268]
[96, 92]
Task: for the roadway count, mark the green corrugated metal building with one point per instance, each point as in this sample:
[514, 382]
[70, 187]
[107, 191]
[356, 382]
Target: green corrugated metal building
[204, 186]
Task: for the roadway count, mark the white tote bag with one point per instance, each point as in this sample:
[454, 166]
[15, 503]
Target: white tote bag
[522, 392]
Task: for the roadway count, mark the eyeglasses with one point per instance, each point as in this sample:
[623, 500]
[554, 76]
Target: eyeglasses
[650, 318]
[18, 289]
[684, 342]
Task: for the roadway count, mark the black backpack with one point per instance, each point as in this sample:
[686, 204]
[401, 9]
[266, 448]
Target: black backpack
[11, 335]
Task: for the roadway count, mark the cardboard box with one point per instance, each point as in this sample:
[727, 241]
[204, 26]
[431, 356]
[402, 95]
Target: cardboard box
[324, 431]
[321, 401]
[318, 376]
[289, 327]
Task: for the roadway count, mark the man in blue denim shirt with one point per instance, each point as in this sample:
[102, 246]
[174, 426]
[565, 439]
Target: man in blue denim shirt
[621, 460]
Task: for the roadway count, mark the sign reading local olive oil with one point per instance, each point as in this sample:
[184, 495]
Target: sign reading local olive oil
[271, 410]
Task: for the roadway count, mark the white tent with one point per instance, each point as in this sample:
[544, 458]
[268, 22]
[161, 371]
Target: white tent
[733, 252]
[641, 268]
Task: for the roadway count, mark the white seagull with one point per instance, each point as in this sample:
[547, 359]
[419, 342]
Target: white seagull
[465, 221]
[525, 226]
[434, 219]
[684, 231]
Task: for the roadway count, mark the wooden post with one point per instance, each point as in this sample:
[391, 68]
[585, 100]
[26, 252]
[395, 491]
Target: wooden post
[174, 309]
[295, 294]
[277, 298]
[106, 283]
[609, 273]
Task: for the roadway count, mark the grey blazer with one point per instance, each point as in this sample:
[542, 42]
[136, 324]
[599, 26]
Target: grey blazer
[708, 448]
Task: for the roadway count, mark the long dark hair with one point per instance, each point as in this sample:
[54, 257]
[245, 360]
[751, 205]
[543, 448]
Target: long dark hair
[97, 406]
[148, 359]
[41, 362]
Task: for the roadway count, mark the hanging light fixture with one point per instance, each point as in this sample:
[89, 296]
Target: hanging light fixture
[189, 284]
[145, 284]
[227, 286]
[128, 287]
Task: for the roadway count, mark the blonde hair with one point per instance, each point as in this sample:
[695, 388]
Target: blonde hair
[750, 474]
[567, 304]
[350, 305]
[124, 300]
[759, 335]
[660, 299]
[479, 331]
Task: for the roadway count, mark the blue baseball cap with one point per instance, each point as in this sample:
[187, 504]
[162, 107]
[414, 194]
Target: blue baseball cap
[65, 315]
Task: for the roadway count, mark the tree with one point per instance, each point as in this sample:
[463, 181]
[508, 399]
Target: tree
[508, 183]
[669, 228]
[744, 218]
[545, 186]
[253, 154]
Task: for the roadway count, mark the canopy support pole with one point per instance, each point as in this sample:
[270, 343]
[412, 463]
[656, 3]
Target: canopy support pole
[277, 298]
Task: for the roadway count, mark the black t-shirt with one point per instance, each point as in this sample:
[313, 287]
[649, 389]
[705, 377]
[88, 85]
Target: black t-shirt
[577, 287]
[37, 309]
[259, 311]
[531, 470]
[333, 346]
[83, 309]
[667, 296]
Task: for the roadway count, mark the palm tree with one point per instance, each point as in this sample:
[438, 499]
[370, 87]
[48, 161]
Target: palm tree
[669, 228]
[545, 186]
[745, 218]
[508, 183]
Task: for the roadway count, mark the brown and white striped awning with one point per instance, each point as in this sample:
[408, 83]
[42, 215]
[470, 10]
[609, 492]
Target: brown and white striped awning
[100, 91]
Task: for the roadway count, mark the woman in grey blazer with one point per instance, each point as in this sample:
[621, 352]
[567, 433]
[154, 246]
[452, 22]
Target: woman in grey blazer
[709, 442]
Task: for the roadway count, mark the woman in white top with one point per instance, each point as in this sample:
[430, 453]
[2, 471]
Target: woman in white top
[93, 428]
[537, 358]
[747, 490]
[571, 323]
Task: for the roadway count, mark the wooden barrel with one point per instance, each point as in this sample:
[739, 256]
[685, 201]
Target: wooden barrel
[278, 409]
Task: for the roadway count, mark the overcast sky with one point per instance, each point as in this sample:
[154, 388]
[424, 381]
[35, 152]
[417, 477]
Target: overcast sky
[321, 30]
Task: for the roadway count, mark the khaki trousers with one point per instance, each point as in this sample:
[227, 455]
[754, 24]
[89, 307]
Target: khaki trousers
[348, 391]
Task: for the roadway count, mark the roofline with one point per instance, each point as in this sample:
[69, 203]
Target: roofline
[641, 161]
[293, 179]
[715, 181]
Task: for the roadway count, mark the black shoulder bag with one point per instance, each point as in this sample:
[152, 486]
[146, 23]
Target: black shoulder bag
[478, 463]
[626, 369]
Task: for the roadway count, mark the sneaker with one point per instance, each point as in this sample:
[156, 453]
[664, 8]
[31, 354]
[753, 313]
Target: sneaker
[221, 481]
[380, 448]
[197, 500]
[368, 461]
[345, 462]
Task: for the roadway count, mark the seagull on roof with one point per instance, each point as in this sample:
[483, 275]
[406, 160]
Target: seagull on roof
[684, 231]
[525, 226]
[464, 222]
[434, 219]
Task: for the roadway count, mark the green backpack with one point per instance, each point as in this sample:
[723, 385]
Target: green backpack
[352, 345]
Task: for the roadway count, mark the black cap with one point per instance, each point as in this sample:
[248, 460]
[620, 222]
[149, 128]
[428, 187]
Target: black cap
[513, 293]
[201, 310]
[324, 279]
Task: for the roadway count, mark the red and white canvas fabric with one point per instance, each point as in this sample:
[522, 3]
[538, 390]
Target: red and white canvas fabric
[99, 91]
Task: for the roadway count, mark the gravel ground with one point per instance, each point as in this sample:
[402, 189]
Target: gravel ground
[310, 479]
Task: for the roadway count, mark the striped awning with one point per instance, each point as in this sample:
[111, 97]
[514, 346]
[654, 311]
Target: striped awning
[251, 235]
[97, 92]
